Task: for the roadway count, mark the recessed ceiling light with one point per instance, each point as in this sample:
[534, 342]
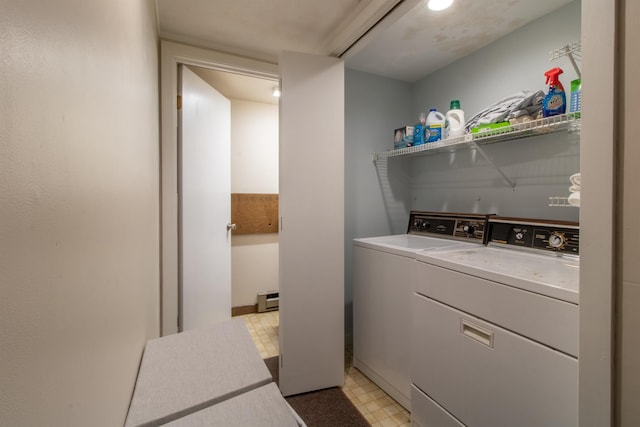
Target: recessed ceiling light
[439, 4]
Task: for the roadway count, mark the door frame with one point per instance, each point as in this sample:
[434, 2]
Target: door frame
[172, 54]
[598, 251]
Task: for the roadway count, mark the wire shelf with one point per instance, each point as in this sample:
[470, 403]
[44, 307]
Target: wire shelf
[573, 48]
[542, 126]
[573, 51]
[561, 201]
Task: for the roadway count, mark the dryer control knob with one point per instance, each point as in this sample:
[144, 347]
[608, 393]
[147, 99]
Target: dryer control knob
[557, 240]
[469, 229]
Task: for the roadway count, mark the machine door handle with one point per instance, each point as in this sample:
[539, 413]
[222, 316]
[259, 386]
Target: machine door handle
[231, 226]
[476, 333]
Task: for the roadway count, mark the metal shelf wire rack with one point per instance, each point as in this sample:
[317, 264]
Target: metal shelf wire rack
[517, 131]
[560, 201]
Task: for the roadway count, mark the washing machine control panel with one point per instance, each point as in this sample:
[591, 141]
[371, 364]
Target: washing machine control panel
[536, 235]
[469, 227]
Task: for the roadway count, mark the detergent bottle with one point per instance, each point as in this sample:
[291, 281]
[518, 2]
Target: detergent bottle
[555, 102]
[576, 97]
[454, 120]
[435, 126]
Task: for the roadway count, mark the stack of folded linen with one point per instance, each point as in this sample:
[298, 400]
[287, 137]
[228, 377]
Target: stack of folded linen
[520, 106]
[574, 196]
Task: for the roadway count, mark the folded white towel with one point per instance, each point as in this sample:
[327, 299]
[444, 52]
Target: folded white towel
[574, 199]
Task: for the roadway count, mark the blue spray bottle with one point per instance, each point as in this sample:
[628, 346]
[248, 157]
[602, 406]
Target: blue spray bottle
[555, 102]
[418, 130]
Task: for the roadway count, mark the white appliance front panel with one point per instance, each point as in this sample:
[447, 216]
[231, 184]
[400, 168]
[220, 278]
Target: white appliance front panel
[382, 274]
[487, 376]
[556, 277]
[550, 321]
[382, 319]
[427, 413]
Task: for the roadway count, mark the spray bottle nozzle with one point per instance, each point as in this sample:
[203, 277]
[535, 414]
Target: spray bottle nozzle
[552, 75]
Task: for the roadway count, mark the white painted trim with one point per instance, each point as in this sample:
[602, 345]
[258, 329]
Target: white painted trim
[597, 236]
[217, 47]
[364, 30]
[357, 23]
[172, 54]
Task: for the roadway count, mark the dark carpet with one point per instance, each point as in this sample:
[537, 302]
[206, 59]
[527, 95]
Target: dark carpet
[323, 408]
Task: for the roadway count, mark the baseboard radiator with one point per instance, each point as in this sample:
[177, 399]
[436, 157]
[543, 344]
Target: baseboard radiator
[268, 301]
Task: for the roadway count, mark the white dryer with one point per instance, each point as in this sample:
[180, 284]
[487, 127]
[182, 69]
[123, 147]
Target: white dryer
[383, 274]
[495, 329]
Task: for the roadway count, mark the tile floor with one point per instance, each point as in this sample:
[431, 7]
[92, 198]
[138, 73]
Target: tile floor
[379, 409]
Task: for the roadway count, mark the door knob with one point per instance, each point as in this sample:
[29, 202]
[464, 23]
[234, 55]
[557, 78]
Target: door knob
[231, 226]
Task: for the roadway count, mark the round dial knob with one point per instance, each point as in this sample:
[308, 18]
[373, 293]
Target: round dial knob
[557, 240]
[519, 235]
[426, 225]
[469, 229]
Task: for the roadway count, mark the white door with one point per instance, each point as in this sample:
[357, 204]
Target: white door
[312, 223]
[204, 141]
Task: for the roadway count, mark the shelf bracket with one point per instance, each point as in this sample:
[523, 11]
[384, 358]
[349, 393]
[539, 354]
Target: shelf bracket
[572, 51]
[488, 159]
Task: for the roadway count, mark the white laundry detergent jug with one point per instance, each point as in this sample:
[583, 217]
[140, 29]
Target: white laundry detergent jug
[435, 126]
[454, 120]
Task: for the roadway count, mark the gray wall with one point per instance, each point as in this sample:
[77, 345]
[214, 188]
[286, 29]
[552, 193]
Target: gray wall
[379, 195]
[539, 166]
[510, 64]
[375, 203]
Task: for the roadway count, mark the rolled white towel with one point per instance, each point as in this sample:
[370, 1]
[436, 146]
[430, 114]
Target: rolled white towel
[575, 178]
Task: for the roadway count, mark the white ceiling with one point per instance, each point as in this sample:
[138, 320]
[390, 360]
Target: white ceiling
[422, 41]
[238, 86]
[258, 29]
[408, 44]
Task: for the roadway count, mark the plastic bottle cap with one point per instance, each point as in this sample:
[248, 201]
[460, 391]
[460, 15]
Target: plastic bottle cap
[455, 104]
[433, 109]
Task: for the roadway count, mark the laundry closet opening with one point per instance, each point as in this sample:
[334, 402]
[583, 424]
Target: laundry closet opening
[254, 185]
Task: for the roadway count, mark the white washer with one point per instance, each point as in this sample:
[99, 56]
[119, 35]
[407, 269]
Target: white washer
[495, 329]
[383, 275]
